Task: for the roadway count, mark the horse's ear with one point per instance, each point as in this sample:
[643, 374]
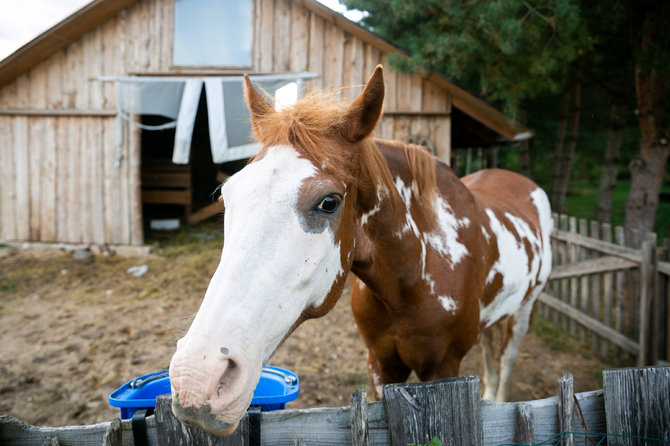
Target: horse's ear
[258, 106]
[361, 118]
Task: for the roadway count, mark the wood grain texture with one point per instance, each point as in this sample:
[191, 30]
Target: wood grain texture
[637, 405]
[447, 409]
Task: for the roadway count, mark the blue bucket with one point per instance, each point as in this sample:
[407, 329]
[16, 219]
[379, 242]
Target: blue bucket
[276, 387]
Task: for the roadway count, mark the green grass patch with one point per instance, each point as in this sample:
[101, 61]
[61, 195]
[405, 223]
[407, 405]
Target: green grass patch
[582, 199]
[555, 338]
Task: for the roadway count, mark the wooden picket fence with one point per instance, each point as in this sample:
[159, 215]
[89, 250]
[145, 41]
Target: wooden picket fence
[610, 288]
[632, 406]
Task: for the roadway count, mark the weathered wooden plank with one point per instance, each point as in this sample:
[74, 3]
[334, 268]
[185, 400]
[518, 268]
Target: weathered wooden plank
[22, 185]
[566, 408]
[266, 34]
[171, 432]
[448, 409]
[501, 427]
[56, 112]
[333, 56]
[14, 432]
[590, 323]
[316, 47]
[637, 405]
[598, 245]
[584, 282]
[8, 180]
[573, 282]
[359, 418]
[50, 169]
[647, 276]
[135, 188]
[525, 425]
[98, 181]
[282, 45]
[62, 175]
[299, 38]
[591, 266]
[35, 149]
[608, 289]
[596, 297]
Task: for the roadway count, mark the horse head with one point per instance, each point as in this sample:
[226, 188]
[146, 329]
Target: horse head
[289, 231]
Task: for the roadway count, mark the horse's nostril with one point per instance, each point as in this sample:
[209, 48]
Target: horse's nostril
[230, 380]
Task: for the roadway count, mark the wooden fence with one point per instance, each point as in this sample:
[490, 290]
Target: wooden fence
[610, 288]
[633, 405]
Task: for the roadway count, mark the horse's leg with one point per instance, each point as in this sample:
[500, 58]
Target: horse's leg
[518, 327]
[490, 373]
[390, 370]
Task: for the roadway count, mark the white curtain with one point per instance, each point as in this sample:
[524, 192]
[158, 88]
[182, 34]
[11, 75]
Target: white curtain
[178, 98]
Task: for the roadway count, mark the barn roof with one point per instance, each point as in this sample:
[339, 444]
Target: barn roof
[489, 123]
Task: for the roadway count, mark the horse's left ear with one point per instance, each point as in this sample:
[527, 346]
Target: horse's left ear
[258, 106]
[361, 117]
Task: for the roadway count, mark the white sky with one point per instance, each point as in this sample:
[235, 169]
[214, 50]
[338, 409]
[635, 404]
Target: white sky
[23, 20]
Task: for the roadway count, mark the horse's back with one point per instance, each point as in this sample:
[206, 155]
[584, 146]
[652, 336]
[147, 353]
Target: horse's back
[507, 191]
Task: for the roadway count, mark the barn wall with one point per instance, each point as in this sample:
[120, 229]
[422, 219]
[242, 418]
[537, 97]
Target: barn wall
[58, 127]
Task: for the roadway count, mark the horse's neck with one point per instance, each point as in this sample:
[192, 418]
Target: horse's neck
[391, 237]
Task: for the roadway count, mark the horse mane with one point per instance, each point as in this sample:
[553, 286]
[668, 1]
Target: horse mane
[310, 126]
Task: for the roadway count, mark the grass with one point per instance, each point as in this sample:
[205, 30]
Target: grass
[582, 199]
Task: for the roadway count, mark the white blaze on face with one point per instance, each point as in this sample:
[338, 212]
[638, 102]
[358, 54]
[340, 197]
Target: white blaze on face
[517, 270]
[272, 266]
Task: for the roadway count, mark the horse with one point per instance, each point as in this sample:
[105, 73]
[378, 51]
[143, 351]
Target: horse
[440, 263]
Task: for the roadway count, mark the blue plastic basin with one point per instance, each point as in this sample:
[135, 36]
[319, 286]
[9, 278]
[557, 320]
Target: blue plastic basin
[276, 387]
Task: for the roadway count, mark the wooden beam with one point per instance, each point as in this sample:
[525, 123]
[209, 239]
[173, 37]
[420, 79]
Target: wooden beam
[591, 266]
[59, 36]
[590, 323]
[56, 112]
[417, 113]
[205, 212]
[619, 251]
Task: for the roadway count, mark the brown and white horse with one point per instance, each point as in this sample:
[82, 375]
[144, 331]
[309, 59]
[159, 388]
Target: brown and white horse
[440, 262]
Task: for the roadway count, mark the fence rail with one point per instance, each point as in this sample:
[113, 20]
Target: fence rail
[610, 288]
[633, 404]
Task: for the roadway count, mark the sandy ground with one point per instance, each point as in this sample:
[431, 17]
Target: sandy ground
[71, 331]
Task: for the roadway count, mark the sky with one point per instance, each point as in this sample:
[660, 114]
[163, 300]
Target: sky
[21, 21]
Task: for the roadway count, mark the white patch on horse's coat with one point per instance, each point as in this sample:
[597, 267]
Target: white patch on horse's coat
[519, 273]
[405, 193]
[448, 304]
[445, 241]
[378, 206]
[486, 234]
[377, 382]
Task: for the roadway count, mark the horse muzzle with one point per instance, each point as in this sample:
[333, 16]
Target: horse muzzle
[209, 391]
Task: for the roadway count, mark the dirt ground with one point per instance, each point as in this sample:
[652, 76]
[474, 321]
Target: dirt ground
[71, 331]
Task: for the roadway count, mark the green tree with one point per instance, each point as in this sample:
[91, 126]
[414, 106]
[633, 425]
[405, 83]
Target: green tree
[506, 50]
[648, 20]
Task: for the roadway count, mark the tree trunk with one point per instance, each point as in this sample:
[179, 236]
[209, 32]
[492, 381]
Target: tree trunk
[648, 167]
[611, 163]
[559, 149]
[562, 178]
[524, 147]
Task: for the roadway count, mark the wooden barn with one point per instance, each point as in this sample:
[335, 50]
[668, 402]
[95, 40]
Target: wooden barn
[130, 105]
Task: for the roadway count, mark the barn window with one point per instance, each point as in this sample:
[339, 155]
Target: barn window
[213, 33]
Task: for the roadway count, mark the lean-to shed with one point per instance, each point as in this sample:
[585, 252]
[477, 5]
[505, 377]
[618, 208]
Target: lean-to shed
[128, 103]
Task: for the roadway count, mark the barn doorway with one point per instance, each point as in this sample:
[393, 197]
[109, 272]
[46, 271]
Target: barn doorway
[178, 192]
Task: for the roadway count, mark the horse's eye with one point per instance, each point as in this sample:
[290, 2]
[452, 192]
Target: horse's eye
[329, 204]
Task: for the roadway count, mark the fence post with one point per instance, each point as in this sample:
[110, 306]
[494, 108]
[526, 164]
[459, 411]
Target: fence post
[525, 424]
[171, 432]
[647, 277]
[566, 408]
[359, 418]
[448, 409]
[637, 405]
